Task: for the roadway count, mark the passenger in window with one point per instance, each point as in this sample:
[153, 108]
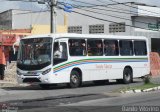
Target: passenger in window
[80, 49]
[113, 47]
[72, 48]
[89, 51]
[110, 49]
[83, 47]
[99, 50]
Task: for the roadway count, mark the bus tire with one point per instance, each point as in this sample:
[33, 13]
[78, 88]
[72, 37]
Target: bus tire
[75, 79]
[127, 76]
[45, 86]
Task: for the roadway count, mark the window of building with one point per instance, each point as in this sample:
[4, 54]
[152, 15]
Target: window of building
[111, 48]
[140, 48]
[77, 47]
[116, 27]
[94, 47]
[99, 28]
[126, 47]
[75, 29]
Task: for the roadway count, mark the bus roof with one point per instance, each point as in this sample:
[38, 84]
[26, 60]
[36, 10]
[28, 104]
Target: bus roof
[71, 35]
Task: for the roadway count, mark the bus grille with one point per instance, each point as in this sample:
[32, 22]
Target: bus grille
[31, 80]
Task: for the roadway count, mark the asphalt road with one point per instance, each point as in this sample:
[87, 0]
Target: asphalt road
[90, 97]
[35, 92]
[139, 102]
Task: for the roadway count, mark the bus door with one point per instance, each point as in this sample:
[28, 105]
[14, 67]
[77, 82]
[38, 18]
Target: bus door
[60, 53]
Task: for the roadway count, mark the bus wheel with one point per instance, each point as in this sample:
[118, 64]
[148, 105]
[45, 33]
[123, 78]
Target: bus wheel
[75, 80]
[45, 86]
[127, 76]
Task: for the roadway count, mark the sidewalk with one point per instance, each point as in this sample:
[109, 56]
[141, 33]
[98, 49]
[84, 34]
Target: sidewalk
[4, 83]
[155, 79]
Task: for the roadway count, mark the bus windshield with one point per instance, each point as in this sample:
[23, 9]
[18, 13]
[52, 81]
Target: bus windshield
[35, 51]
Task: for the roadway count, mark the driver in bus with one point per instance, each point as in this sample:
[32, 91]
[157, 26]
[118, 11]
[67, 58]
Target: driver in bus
[57, 52]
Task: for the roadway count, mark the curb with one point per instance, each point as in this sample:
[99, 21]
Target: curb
[141, 90]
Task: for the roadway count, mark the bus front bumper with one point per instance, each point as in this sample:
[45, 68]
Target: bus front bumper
[33, 79]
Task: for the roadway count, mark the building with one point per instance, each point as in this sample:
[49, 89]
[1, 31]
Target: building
[116, 19]
[37, 22]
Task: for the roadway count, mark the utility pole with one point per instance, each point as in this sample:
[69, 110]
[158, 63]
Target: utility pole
[52, 4]
[53, 15]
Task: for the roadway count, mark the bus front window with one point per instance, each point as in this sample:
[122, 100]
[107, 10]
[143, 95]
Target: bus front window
[35, 52]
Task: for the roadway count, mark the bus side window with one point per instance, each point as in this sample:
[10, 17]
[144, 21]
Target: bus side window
[60, 51]
[95, 47]
[63, 49]
[77, 47]
[126, 47]
[56, 51]
[111, 48]
[140, 48]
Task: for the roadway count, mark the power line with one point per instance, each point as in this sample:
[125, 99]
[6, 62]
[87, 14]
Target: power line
[92, 5]
[134, 7]
[106, 6]
[36, 19]
[105, 19]
[19, 0]
[95, 7]
[83, 2]
[31, 12]
[115, 16]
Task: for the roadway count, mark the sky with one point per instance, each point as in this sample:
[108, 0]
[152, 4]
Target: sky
[5, 5]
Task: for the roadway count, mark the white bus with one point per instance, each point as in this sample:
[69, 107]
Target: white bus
[76, 58]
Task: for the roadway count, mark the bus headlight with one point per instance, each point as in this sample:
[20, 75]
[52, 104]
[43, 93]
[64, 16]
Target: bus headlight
[19, 73]
[46, 71]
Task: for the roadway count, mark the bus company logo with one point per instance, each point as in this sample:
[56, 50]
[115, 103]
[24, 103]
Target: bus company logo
[5, 107]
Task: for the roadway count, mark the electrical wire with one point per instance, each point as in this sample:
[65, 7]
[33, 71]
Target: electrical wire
[115, 16]
[107, 6]
[104, 19]
[135, 7]
[123, 3]
[19, 0]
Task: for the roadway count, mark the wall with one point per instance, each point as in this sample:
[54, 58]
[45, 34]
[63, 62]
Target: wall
[75, 19]
[25, 19]
[149, 11]
[45, 29]
[143, 21]
[6, 20]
